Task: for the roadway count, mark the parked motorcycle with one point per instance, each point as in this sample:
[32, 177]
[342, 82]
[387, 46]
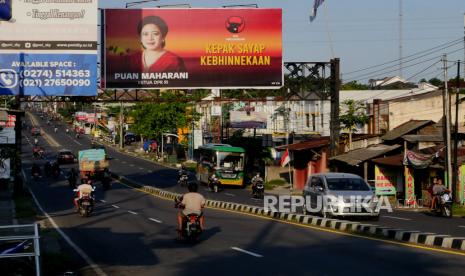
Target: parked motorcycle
[191, 230]
[214, 183]
[85, 204]
[443, 205]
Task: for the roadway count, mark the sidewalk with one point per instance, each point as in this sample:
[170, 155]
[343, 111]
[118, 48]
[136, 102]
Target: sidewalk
[7, 207]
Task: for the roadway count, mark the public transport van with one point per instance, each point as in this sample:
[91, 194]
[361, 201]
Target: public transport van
[225, 161]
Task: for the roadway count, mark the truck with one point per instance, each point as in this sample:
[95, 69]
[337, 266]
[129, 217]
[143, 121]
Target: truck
[94, 166]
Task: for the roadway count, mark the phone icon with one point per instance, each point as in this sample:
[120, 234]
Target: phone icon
[8, 78]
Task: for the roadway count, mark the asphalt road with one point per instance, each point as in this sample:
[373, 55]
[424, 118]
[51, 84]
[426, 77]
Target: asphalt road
[149, 173]
[132, 233]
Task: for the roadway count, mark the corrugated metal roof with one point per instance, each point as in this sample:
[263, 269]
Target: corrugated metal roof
[423, 138]
[358, 156]
[404, 129]
[315, 143]
[395, 160]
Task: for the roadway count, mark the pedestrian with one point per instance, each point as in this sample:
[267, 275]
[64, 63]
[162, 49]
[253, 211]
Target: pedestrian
[146, 146]
[154, 146]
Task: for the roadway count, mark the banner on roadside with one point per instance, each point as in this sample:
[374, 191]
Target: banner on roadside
[49, 48]
[193, 48]
[385, 181]
[244, 119]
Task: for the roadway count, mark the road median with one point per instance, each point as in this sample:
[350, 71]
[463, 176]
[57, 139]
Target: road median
[356, 228]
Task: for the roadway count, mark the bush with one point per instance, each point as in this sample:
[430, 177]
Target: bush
[277, 182]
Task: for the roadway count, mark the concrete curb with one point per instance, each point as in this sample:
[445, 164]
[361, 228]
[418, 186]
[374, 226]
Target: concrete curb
[416, 237]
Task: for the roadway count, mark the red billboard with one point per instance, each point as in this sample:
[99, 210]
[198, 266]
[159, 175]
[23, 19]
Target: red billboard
[193, 48]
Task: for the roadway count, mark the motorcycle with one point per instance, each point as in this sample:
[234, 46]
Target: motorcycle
[191, 229]
[182, 181]
[85, 203]
[259, 188]
[214, 183]
[443, 205]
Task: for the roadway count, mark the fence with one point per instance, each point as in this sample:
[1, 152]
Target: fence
[20, 250]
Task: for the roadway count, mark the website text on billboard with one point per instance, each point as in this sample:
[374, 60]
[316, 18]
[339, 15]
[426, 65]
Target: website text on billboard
[193, 48]
[49, 48]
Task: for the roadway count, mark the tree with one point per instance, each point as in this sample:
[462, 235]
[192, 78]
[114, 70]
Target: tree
[354, 85]
[436, 82]
[353, 113]
[151, 120]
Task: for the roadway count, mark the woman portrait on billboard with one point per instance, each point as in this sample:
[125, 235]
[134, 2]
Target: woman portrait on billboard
[153, 57]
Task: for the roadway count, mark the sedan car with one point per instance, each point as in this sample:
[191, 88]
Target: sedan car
[66, 157]
[35, 131]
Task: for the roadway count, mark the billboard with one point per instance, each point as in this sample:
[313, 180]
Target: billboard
[193, 48]
[49, 48]
[244, 119]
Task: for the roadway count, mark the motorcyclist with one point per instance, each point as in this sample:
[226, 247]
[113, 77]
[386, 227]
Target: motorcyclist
[257, 178]
[192, 203]
[47, 168]
[438, 190]
[81, 190]
[56, 169]
[182, 172]
[35, 169]
[72, 177]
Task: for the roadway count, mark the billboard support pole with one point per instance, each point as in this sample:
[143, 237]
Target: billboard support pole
[121, 121]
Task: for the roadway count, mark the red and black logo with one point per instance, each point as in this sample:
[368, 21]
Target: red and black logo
[235, 24]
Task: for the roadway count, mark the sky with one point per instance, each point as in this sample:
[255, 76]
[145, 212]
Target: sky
[363, 34]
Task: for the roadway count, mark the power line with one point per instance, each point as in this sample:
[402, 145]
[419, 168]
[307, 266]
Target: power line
[453, 42]
[382, 72]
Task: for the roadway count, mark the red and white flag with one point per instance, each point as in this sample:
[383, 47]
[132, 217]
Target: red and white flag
[285, 158]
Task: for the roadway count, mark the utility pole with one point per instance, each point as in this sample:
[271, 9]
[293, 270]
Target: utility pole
[121, 122]
[446, 125]
[400, 38]
[455, 180]
[334, 123]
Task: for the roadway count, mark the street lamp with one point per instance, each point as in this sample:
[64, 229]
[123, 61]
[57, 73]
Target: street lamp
[135, 3]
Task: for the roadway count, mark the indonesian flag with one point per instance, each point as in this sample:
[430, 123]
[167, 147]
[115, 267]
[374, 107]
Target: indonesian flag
[285, 158]
[316, 4]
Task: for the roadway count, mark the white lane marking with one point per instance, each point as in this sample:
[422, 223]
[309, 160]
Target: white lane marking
[75, 141]
[395, 218]
[228, 194]
[149, 171]
[131, 212]
[131, 165]
[124, 162]
[91, 263]
[140, 168]
[247, 252]
[462, 226]
[101, 200]
[156, 220]
[117, 207]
